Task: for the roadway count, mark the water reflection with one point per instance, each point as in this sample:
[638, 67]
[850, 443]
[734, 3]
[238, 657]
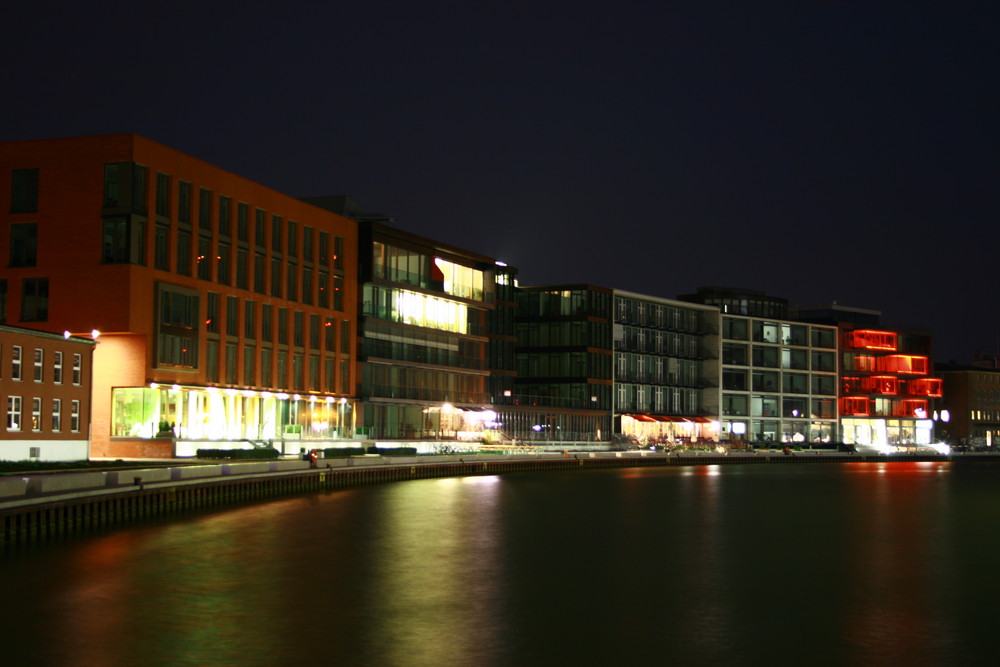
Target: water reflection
[822, 564]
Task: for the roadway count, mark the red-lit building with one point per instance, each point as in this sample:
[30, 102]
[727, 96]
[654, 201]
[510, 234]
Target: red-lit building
[45, 383]
[226, 311]
[887, 397]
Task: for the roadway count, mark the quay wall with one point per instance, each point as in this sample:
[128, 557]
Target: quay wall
[43, 507]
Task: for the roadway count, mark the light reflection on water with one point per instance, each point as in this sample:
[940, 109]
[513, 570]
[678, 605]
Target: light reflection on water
[818, 564]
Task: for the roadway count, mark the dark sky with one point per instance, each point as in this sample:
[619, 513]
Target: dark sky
[818, 151]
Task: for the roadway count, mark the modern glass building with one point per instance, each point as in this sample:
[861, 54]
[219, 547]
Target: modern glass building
[779, 382]
[563, 388]
[666, 372]
[434, 321]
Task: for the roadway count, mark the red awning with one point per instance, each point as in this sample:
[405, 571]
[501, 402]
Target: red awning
[641, 418]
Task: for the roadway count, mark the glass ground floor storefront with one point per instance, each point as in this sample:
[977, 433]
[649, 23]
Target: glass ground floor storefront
[778, 431]
[210, 413]
[660, 430]
[888, 434]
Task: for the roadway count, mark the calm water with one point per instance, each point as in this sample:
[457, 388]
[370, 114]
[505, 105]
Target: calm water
[847, 564]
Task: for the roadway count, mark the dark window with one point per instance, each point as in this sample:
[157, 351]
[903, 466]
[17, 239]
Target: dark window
[331, 335]
[314, 332]
[177, 330]
[338, 293]
[161, 250]
[24, 191]
[307, 286]
[125, 186]
[184, 253]
[338, 252]
[266, 315]
[232, 316]
[212, 360]
[298, 325]
[293, 247]
[184, 202]
[250, 319]
[232, 371]
[212, 312]
[224, 266]
[249, 370]
[241, 267]
[3, 300]
[259, 227]
[23, 244]
[276, 233]
[292, 284]
[307, 244]
[260, 273]
[283, 326]
[242, 210]
[204, 258]
[204, 209]
[163, 195]
[314, 373]
[124, 240]
[265, 367]
[324, 249]
[345, 337]
[275, 277]
[323, 289]
[225, 211]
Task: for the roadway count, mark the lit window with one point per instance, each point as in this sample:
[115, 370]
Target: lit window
[36, 414]
[13, 413]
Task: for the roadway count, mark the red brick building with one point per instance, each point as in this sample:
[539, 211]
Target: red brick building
[45, 384]
[226, 310]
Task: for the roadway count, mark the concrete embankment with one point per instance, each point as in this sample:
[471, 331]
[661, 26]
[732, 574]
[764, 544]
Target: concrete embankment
[39, 507]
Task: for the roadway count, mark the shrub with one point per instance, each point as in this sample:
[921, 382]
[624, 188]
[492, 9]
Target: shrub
[335, 452]
[242, 454]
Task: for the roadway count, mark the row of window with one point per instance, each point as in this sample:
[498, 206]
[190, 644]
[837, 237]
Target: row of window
[17, 361]
[736, 354]
[782, 333]
[655, 315]
[740, 405]
[15, 415]
[125, 191]
[273, 369]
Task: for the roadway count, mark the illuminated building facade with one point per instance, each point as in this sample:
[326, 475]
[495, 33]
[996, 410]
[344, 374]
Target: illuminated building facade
[778, 377]
[435, 319]
[227, 310]
[564, 385]
[596, 364]
[666, 370]
[45, 383]
[887, 398]
[779, 382]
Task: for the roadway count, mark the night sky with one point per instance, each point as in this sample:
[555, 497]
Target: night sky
[817, 151]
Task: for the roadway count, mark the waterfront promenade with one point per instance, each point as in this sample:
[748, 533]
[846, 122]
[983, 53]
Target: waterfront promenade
[38, 505]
